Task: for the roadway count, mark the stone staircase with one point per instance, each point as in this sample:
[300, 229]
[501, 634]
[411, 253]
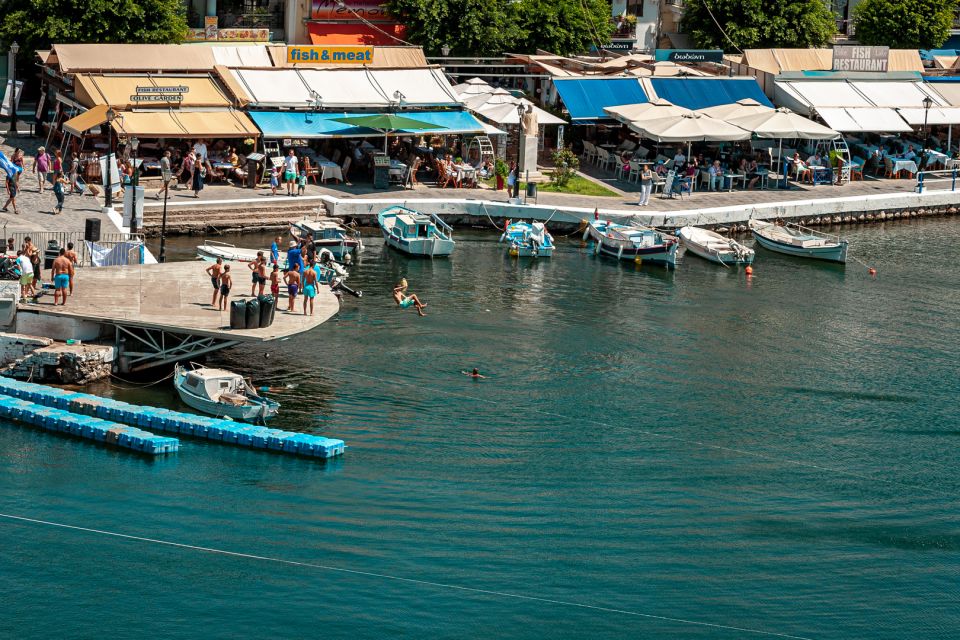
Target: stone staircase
[224, 218]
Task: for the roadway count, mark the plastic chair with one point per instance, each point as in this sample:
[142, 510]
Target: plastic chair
[635, 169]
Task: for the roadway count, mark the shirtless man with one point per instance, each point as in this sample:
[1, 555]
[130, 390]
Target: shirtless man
[214, 272]
[292, 279]
[259, 269]
[405, 301]
[309, 286]
[226, 281]
[475, 374]
[74, 261]
[60, 274]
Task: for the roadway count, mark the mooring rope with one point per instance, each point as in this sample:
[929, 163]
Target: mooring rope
[417, 581]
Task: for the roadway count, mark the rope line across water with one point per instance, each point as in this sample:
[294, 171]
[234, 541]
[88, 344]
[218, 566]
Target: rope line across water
[385, 576]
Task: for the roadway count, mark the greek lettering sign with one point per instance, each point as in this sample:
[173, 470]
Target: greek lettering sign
[857, 58]
[688, 55]
[616, 45]
[353, 10]
[159, 94]
[329, 55]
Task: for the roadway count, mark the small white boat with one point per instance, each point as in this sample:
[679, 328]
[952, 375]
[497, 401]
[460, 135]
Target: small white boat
[632, 242]
[528, 240]
[794, 240]
[221, 393]
[329, 234]
[714, 247]
[415, 233]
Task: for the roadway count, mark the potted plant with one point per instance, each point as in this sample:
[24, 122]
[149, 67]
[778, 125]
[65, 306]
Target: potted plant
[500, 170]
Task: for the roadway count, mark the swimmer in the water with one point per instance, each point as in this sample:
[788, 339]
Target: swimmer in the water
[405, 301]
[473, 374]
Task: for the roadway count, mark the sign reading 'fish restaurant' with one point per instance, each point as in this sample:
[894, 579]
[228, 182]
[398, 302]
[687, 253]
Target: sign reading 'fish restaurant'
[856, 58]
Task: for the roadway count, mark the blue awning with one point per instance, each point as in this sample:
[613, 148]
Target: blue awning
[302, 124]
[700, 93]
[585, 98]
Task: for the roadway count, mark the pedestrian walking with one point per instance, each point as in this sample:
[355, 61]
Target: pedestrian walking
[187, 168]
[11, 193]
[274, 180]
[74, 173]
[57, 161]
[199, 173]
[646, 184]
[58, 182]
[166, 174]
[41, 166]
[291, 166]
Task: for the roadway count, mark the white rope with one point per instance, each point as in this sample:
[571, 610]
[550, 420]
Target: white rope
[385, 576]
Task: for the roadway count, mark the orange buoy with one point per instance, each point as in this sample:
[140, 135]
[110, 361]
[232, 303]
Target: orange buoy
[748, 270]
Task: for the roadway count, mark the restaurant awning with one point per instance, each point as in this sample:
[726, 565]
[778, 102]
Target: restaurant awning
[79, 125]
[151, 91]
[288, 124]
[700, 93]
[897, 94]
[935, 115]
[354, 33]
[866, 119]
[585, 98]
[185, 124]
[301, 88]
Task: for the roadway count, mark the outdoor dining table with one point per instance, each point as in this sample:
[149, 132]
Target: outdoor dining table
[935, 157]
[952, 163]
[821, 174]
[465, 172]
[902, 164]
[731, 179]
[329, 170]
[397, 168]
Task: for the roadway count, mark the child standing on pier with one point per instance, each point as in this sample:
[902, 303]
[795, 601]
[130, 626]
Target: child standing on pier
[259, 269]
[292, 279]
[214, 271]
[226, 281]
[275, 283]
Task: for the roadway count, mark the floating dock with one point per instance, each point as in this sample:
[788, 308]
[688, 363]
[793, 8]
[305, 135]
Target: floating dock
[80, 406]
[159, 313]
[86, 427]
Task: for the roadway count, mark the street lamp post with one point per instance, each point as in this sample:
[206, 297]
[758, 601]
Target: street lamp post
[107, 179]
[134, 145]
[927, 103]
[14, 49]
[516, 182]
[163, 230]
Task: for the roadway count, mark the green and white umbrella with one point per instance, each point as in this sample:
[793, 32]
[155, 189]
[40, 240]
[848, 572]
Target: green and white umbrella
[387, 123]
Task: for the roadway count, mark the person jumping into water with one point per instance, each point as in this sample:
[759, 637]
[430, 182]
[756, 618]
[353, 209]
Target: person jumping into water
[405, 301]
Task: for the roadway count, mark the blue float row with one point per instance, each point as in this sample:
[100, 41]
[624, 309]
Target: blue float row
[227, 431]
[87, 427]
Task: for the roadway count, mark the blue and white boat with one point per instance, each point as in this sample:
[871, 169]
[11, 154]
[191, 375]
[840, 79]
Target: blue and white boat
[329, 234]
[794, 240]
[222, 393]
[633, 242]
[528, 240]
[415, 233]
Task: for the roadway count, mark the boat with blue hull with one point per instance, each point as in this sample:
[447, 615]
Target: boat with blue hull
[415, 233]
[795, 240]
[528, 240]
[632, 242]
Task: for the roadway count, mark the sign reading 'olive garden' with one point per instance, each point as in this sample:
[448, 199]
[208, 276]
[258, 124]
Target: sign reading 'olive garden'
[160, 94]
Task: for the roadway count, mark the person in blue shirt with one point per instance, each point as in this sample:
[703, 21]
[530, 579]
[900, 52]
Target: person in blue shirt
[294, 256]
[275, 251]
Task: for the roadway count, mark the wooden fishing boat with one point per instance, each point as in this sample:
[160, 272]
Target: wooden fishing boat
[528, 240]
[415, 233]
[222, 393]
[794, 240]
[714, 247]
[329, 234]
[632, 242]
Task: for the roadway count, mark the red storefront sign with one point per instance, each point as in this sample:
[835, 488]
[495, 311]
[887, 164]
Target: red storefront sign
[372, 10]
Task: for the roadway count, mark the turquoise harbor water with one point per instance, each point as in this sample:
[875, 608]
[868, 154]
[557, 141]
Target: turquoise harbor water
[777, 455]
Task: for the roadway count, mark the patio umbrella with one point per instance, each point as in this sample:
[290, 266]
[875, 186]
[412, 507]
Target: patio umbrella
[688, 128]
[659, 108]
[493, 96]
[472, 86]
[387, 123]
[507, 113]
[739, 109]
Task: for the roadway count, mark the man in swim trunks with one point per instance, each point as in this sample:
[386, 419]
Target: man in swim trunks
[292, 279]
[60, 274]
[226, 281]
[295, 257]
[74, 261]
[26, 274]
[259, 269]
[309, 287]
[214, 272]
[404, 301]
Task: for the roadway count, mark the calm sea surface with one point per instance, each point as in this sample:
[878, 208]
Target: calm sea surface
[692, 449]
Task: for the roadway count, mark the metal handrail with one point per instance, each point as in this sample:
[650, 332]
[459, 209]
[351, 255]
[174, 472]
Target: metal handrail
[944, 174]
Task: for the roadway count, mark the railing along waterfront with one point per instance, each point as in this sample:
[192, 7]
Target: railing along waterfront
[42, 240]
[948, 176]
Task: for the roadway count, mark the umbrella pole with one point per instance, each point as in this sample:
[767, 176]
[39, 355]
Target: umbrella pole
[782, 166]
[949, 138]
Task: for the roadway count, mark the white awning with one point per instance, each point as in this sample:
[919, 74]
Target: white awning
[346, 88]
[896, 94]
[827, 94]
[935, 115]
[863, 119]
